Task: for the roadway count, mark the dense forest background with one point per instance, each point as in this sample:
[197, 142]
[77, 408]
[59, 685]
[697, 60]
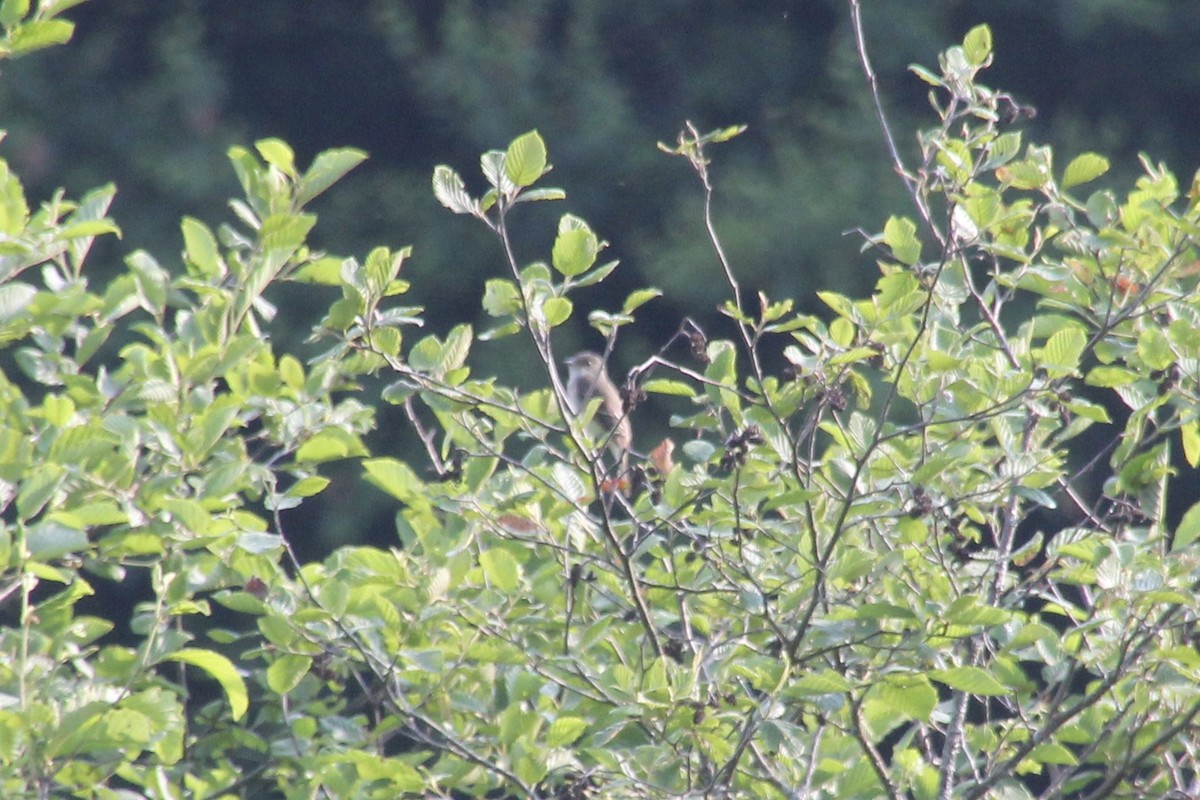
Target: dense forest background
[151, 94]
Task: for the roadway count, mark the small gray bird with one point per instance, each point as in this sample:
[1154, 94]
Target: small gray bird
[586, 379]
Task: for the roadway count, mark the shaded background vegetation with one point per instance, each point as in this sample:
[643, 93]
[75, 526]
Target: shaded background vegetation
[151, 94]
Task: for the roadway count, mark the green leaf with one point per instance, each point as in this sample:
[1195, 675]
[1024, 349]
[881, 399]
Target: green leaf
[37, 488]
[1154, 349]
[13, 11]
[501, 569]
[151, 279]
[51, 540]
[840, 304]
[200, 248]
[1110, 377]
[972, 680]
[556, 311]
[598, 274]
[501, 297]
[970, 610]
[277, 630]
[1062, 352]
[1089, 410]
[15, 298]
[449, 189]
[1003, 149]
[325, 446]
[926, 75]
[669, 387]
[724, 134]
[853, 355]
[394, 477]
[547, 193]
[565, 730]
[493, 167]
[285, 232]
[910, 695]
[308, 487]
[455, 349]
[1083, 168]
[43, 33]
[214, 422]
[189, 514]
[126, 727]
[639, 298]
[977, 45]
[1189, 433]
[574, 251]
[260, 543]
[327, 169]
[278, 154]
[87, 229]
[382, 268]
[58, 410]
[287, 672]
[1052, 753]
[1028, 173]
[14, 209]
[900, 234]
[326, 271]
[222, 670]
[525, 159]
[1188, 530]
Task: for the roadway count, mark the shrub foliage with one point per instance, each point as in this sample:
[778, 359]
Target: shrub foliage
[917, 547]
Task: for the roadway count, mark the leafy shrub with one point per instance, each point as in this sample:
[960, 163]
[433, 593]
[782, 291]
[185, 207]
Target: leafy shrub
[839, 584]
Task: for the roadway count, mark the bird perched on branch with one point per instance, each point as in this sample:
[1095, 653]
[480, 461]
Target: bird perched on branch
[586, 379]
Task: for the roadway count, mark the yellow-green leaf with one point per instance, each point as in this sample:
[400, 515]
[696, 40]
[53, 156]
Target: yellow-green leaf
[1083, 168]
[325, 446]
[900, 234]
[669, 387]
[1110, 377]
[394, 477]
[1154, 349]
[200, 247]
[501, 569]
[1188, 530]
[574, 251]
[1189, 433]
[565, 730]
[1052, 753]
[977, 44]
[970, 679]
[40, 33]
[912, 696]
[1061, 354]
[326, 169]
[13, 11]
[525, 159]
[556, 310]
[286, 673]
[278, 154]
[639, 298]
[307, 487]
[58, 410]
[222, 671]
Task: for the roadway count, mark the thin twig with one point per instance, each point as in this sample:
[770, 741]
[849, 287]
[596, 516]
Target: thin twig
[425, 435]
[910, 183]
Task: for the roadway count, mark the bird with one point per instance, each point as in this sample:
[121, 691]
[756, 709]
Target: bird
[587, 379]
